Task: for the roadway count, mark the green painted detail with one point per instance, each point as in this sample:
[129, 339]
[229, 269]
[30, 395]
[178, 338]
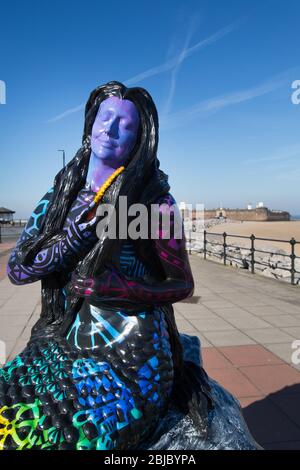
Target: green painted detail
[136, 413]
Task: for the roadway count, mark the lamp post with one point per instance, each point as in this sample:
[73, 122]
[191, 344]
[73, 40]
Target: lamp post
[182, 208]
[64, 157]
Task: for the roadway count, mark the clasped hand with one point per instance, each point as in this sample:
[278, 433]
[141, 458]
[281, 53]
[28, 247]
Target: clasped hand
[108, 283]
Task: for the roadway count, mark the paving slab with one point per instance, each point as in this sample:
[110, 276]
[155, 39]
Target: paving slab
[214, 359]
[271, 378]
[283, 321]
[285, 351]
[211, 324]
[235, 382]
[264, 310]
[228, 338]
[232, 312]
[251, 355]
[293, 331]
[247, 322]
[269, 335]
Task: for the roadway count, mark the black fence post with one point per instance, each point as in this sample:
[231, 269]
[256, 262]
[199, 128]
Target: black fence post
[252, 249]
[204, 244]
[0, 235]
[224, 248]
[292, 256]
[190, 242]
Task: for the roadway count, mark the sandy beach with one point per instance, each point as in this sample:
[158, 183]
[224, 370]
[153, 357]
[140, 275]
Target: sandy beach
[278, 230]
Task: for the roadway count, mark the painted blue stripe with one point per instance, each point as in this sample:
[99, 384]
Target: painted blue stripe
[114, 333]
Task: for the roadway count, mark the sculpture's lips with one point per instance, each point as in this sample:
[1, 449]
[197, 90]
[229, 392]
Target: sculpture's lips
[108, 143]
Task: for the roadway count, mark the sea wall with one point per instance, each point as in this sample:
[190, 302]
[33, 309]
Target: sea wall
[260, 214]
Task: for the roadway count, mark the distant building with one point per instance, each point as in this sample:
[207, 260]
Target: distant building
[6, 215]
[262, 214]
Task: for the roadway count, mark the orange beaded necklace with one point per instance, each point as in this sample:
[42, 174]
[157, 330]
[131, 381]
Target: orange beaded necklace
[106, 184]
[98, 196]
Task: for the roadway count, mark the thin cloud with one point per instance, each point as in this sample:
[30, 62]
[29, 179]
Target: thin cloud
[166, 66]
[176, 69]
[285, 153]
[169, 64]
[67, 113]
[213, 105]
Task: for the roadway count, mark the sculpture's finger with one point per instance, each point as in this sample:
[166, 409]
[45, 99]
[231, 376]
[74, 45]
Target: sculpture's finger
[92, 222]
[84, 282]
[82, 215]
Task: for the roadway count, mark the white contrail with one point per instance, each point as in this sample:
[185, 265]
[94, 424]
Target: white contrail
[282, 154]
[211, 106]
[66, 113]
[175, 71]
[168, 65]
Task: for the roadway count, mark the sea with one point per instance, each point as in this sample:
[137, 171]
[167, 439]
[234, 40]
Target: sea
[295, 217]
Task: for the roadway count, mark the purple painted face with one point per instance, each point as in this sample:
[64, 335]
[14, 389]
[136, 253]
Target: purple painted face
[115, 130]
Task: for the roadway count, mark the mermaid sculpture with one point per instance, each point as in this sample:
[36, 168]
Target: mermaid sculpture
[105, 367]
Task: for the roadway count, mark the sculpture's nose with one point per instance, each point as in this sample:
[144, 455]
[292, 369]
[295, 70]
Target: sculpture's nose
[112, 127]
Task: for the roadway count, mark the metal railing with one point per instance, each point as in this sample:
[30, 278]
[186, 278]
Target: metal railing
[252, 262]
[5, 227]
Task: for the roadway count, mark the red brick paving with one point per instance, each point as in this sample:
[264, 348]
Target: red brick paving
[251, 355]
[247, 401]
[268, 390]
[234, 381]
[213, 359]
[270, 379]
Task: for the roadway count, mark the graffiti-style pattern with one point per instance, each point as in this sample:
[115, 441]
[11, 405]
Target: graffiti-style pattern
[55, 396]
[171, 252]
[17, 273]
[142, 343]
[35, 220]
[94, 327]
[75, 241]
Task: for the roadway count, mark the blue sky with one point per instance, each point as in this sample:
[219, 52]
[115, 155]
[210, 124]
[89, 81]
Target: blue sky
[219, 71]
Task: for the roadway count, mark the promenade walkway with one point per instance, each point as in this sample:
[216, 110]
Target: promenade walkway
[246, 324]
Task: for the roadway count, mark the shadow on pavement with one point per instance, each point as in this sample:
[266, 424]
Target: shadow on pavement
[275, 420]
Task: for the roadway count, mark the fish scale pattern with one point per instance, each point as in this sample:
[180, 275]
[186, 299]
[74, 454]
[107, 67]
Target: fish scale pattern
[54, 396]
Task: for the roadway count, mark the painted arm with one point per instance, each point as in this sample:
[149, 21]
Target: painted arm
[71, 244]
[177, 284]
